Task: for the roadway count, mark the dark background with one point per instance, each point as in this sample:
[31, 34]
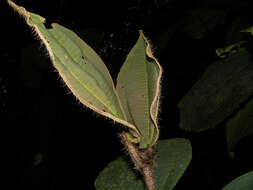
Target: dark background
[41, 118]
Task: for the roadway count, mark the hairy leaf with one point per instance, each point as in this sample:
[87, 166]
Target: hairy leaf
[138, 89]
[79, 66]
[87, 77]
[173, 157]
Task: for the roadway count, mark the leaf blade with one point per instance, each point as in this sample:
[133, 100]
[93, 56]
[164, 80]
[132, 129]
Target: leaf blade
[244, 182]
[98, 84]
[220, 91]
[138, 86]
[240, 125]
[68, 52]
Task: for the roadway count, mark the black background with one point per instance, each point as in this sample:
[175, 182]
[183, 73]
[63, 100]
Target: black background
[39, 115]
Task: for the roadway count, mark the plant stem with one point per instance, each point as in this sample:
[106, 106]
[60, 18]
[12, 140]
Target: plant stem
[149, 178]
[143, 161]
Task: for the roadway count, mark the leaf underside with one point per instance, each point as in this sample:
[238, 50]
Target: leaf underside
[80, 67]
[134, 103]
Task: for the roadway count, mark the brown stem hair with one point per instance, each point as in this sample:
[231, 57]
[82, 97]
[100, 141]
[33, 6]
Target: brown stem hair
[143, 160]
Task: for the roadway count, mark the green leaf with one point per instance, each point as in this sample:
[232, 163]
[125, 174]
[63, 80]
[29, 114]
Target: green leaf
[83, 71]
[240, 125]
[138, 89]
[80, 67]
[136, 100]
[224, 86]
[244, 182]
[173, 157]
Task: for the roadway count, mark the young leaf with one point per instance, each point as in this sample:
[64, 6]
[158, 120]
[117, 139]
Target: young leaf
[79, 66]
[221, 90]
[173, 157]
[88, 78]
[244, 182]
[240, 125]
[138, 89]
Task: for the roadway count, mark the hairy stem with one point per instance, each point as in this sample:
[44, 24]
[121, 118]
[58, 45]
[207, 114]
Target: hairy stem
[149, 178]
[143, 161]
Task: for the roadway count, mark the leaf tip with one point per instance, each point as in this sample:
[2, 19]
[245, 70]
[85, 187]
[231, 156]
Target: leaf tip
[21, 10]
